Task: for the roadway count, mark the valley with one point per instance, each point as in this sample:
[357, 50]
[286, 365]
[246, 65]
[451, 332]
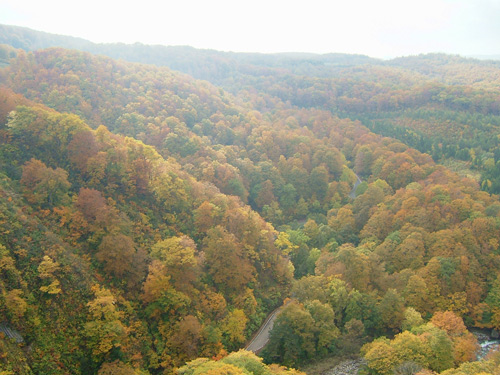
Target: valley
[157, 208]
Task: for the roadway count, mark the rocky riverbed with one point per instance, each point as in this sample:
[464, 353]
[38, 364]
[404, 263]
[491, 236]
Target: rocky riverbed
[486, 342]
[347, 367]
[352, 366]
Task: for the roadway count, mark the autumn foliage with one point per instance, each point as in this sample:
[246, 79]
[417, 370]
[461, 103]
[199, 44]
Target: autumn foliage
[150, 221]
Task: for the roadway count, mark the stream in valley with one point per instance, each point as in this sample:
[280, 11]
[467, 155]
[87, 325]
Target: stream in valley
[486, 343]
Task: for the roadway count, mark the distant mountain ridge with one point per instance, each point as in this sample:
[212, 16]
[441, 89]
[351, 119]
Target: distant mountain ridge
[30, 40]
[220, 67]
[205, 64]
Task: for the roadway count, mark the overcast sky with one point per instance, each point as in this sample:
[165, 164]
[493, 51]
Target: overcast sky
[378, 28]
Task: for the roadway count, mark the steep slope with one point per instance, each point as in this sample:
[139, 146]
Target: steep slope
[111, 252]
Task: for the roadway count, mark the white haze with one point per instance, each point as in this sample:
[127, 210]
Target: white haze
[381, 28]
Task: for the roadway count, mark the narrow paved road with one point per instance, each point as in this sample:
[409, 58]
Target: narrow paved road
[352, 194]
[262, 337]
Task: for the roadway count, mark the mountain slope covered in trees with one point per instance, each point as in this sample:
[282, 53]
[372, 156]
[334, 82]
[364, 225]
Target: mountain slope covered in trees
[446, 106]
[150, 218]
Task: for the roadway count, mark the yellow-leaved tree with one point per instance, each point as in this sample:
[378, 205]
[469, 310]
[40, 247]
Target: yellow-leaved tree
[104, 329]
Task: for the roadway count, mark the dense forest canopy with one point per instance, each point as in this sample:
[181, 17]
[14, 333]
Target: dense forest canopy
[446, 106]
[151, 220]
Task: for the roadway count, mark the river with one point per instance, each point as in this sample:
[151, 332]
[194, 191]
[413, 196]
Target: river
[352, 367]
[485, 342]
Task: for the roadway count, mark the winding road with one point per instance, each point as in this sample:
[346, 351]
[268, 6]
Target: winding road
[352, 194]
[261, 338]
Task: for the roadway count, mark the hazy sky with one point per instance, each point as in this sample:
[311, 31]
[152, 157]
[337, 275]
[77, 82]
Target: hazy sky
[378, 28]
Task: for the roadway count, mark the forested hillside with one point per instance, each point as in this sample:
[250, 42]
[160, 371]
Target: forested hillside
[150, 218]
[446, 106]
